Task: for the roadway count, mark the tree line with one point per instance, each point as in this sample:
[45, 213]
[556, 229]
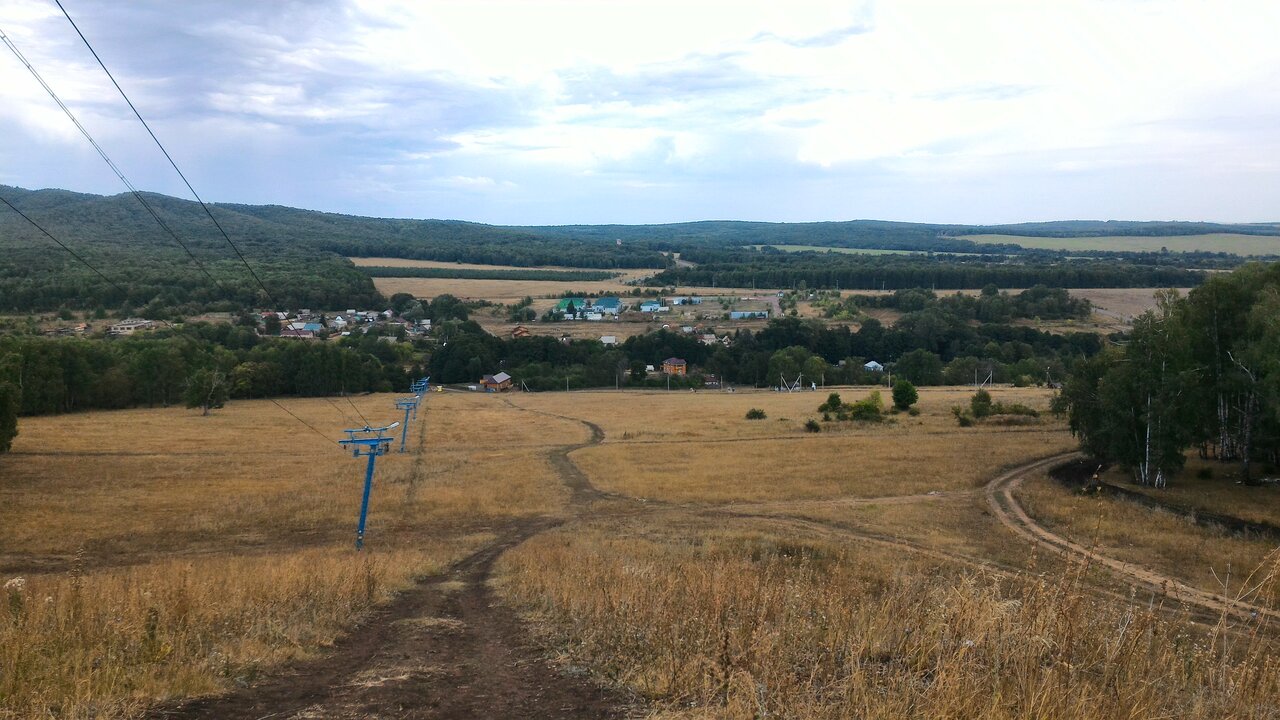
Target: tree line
[990, 306]
[1201, 371]
[488, 274]
[749, 268]
[928, 347]
[58, 375]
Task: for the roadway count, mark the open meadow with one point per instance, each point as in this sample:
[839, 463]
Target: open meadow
[659, 545]
[1210, 242]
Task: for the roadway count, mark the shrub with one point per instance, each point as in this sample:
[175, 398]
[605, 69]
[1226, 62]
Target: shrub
[1014, 409]
[812, 425]
[913, 411]
[904, 394]
[755, 414]
[963, 417]
[980, 404]
[1205, 473]
[832, 404]
[868, 409]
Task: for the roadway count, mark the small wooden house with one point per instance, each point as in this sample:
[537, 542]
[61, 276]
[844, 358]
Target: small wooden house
[496, 383]
[519, 331]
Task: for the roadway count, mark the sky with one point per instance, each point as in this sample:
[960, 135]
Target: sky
[532, 112]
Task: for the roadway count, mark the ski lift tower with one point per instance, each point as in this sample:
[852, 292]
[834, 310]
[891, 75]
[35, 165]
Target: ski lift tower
[370, 442]
[408, 405]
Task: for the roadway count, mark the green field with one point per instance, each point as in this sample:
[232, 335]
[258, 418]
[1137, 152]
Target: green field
[1214, 242]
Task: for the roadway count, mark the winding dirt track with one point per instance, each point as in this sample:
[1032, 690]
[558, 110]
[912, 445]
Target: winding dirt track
[1005, 506]
[445, 649]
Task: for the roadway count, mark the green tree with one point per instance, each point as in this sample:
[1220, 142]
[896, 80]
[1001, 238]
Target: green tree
[920, 366]
[207, 389]
[10, 400]
[904, 394]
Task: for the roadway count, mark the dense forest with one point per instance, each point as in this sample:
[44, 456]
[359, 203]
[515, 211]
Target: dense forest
[1197, 372]
[990, 306]
[765, 269]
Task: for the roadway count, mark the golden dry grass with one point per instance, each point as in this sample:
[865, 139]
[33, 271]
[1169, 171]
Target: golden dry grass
[698, 447]
[167, 554]
[623, 273]
[1208, 242]
[1210, 559]
[746, 623]
[1219, 494]
[164, 554]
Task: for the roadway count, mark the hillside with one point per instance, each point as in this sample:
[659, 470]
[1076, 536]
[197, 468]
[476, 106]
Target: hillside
[300, 253]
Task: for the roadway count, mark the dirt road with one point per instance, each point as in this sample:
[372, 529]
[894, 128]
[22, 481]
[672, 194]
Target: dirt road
[1005, 506]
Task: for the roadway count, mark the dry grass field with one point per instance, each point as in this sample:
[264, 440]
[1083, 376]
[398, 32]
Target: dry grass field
[1210, 242]
[713, 566]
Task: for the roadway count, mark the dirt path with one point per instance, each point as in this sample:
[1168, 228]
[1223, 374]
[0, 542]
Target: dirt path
[445, 649]
[1000, 496]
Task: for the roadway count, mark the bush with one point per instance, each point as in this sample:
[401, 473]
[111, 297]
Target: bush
[832, 404]
[980, 404]
[755, 414]
[868, 409]
[1205, 473]
[963, 417]
[1014, 409]
[812, 425]
[914, 411]
[904, 394]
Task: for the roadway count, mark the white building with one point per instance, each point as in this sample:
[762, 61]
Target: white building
[129, 326]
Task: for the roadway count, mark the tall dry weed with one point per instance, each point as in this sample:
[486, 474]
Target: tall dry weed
[109, 643]
[789, 630]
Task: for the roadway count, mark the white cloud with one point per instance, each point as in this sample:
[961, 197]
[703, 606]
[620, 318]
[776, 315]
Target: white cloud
[659, 110]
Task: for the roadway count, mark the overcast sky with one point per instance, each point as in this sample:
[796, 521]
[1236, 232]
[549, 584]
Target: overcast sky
[534, 112]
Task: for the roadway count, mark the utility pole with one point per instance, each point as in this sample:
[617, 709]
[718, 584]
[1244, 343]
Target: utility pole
[370, 442]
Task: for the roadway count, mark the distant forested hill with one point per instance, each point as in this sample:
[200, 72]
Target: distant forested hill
[299, 253]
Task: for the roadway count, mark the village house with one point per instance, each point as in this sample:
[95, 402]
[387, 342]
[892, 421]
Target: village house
[571, 307]
[674, 366]
[873, 366]
[519, 331]
[749, 315]
[496, 383]
[129, 326]
[608, 339]
[607, 306]
[651, 306]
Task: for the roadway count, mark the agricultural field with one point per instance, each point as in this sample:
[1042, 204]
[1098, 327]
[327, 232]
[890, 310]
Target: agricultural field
[619, 553]
[846, 250]
[1210, 242]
